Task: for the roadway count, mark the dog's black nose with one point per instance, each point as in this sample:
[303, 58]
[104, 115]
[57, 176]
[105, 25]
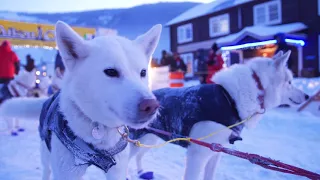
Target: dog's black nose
[307, 96]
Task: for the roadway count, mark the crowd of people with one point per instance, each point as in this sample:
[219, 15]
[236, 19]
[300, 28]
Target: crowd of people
[205, 65]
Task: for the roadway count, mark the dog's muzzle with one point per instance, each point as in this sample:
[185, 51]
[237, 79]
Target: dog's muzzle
[147, 108]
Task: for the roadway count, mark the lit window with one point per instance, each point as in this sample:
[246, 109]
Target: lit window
[219, 25]
[184, 33]
[188, 60]
[267, 13]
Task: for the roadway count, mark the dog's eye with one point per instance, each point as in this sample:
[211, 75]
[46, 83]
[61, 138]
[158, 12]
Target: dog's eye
[289, 82]
[143, 73]
[111, 72]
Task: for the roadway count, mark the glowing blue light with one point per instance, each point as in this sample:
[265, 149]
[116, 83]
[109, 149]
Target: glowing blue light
[262, 43]
[294, 41]
[248, 45]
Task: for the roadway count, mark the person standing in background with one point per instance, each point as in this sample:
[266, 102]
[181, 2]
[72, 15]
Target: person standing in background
[215, 62]
[59, 70]
[178, 64]
[30, 64]
[166, 59]
[201, 66]
[58, 64]
[9, 63]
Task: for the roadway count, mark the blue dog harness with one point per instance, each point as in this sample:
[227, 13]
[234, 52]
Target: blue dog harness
[182, 108]
[51, 120]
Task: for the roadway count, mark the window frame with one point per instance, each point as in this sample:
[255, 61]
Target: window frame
[217, 19]
[182, 38]
[267, 13]
[184, 58]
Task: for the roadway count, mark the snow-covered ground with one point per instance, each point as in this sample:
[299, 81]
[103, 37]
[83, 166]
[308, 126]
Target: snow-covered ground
[282, 134]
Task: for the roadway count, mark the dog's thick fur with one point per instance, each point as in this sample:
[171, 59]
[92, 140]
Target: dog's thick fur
[88, 90]
[238, 81]
[22, 83]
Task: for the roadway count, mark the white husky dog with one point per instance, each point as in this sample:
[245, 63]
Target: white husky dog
[245, 84]
[105, 86]
[20, 86]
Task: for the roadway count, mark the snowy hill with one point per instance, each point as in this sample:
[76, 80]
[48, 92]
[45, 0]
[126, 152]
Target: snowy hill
[128, 22]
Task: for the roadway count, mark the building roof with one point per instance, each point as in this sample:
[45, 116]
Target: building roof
[261, 32]
[204, 9]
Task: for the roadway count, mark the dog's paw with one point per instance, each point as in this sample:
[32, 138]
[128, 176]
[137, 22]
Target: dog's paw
[146, 175]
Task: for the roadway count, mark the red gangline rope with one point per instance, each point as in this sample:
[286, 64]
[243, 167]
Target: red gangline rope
[260, 160]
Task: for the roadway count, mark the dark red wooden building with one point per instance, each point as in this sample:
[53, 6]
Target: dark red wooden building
[247, 28]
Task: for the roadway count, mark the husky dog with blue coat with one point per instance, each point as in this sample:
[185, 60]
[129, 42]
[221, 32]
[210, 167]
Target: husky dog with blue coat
[240, 92]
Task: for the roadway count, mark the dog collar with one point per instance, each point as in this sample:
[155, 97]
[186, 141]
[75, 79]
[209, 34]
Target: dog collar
[260, 87]
[85, 153]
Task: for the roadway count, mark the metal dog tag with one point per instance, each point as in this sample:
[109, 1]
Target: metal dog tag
[98, 131]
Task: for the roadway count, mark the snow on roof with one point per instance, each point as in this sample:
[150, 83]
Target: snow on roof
[204, 9]
[261, 32]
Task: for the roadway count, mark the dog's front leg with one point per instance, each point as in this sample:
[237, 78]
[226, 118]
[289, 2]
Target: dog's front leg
[197, 158]
[211, 166]
[139, 152]
[63, 162]
[119, 171]
[11, 129]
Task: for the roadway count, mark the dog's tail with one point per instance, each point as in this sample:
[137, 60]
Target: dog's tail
[22, 108]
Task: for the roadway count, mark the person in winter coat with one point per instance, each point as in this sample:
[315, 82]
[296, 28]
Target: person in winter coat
[201, 69]
[9, 63]
[30, 64]
[58, 64]
[215, 62]
[164, 59]
[58, 74]
[178, 64]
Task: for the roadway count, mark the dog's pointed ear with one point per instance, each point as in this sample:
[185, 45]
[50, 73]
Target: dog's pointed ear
[71, 46]
[279, 54]
[282, 60]
[150, 40]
